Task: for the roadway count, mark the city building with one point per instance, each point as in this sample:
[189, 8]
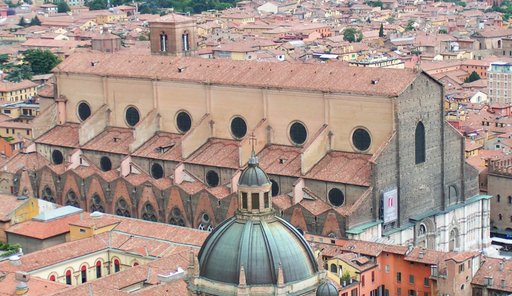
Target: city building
[500, 83]
[498, 185]
[17, 91]
[127, 133]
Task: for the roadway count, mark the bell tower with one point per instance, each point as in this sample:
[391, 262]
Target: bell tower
[173, 35]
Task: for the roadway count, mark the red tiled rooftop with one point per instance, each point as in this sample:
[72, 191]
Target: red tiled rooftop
[342, 167]
[43, 230]
[112, 140]
[165, 146]
[65, 135]
[8, 203]
[296, 76]
[280, 160]
[36, 286]
[218, 153]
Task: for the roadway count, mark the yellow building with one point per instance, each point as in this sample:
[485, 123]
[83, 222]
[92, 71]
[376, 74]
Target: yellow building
[17, 91]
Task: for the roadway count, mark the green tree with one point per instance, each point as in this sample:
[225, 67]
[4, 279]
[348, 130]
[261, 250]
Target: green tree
[381, 30]
[40, 61]
[35, 21]
[472, 77]
[22, 22]
[345, 277]
[443, 31]
[19, 73]
[62, 7]
[410, 25]
[4, 58]
[352, 35]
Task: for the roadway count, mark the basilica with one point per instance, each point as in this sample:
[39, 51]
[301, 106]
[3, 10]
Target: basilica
[349, 152]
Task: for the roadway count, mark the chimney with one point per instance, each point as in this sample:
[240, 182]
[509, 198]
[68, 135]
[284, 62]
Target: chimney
[410, 247]
[502, 263]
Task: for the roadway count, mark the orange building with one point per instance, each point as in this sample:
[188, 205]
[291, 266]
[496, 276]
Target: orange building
[396, 270]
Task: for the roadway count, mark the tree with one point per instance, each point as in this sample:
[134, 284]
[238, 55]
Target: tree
[22, 22]
[381, 30]
[4, 58]
[40, 61]
[62, 7]
[35, 21]
[410, 25]
[472, 77]
[443, 31]
[352, 35]
[19, 73]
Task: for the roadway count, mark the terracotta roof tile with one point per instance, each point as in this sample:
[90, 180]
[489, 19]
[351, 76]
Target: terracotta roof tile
[218, 153]
[297, 76]
[43, 229]
[112, 140]
[8, 203]
[65, 135]
[342, 167]
[280, 160]
[165, 146]
[36, 286]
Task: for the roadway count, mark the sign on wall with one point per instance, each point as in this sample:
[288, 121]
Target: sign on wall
[390, 205]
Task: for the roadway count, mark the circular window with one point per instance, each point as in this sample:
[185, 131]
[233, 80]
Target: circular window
[238, 127]
[275, 187]
[176, 212]
[336, 197]
[105, 164]
[183, 121]
[212, 178]
[57, 157]
[361, 139]
[298, 133]
[157, 171]
[132, 116]
[84, 111]
[205, 218]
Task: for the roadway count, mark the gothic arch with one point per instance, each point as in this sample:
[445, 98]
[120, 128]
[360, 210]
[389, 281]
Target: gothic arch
[121, 193]
[148, 197]
[70, 184]
[95, 192]
[175, 202]
[46, 180]
[297, 219]
[331, 225]
[204, 206]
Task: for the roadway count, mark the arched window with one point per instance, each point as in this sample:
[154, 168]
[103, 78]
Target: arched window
[122, 208]
[117, 265]
[510, 199]
[83, 273]
[97, 204]
[98, 269]
[163, 42]
[334, 268]
[205, 223]
[185, 41]
[176, 217]
[68, 277]
[149, 213]
[454, 240]
[52, 278]
[498, 197]
[275, 187]
[500, 217]
[423, 230]
[48, 194]
[72, 199]
[135, 263]
[419, 143]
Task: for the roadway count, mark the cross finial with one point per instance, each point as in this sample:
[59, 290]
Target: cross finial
[252, 139]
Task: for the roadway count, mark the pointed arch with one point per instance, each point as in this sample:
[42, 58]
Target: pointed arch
[176, 212]
[122, 204]
[204, 216]
[331, 225]
[70, 185]
[419, 143]
[96, 200]
[148, 206]
[297, 219]
[47, 185]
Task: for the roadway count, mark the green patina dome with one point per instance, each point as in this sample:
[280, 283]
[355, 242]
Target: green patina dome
[253, 175]
[260, 246]
[327, 288]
